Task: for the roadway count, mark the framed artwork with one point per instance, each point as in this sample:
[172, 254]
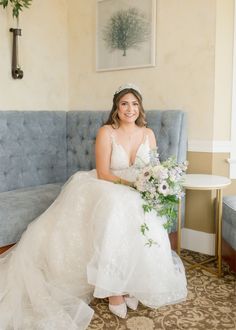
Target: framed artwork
[125, 34]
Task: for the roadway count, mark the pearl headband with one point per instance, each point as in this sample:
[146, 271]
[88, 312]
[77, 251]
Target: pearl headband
[128, 86]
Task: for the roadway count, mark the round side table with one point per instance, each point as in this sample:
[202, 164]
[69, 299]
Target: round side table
[207, 182]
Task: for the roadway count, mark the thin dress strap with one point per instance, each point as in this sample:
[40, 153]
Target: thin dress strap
[111, 133]
[145, 136]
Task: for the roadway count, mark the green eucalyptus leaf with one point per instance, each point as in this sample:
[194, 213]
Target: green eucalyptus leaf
[4, 3]
[17, 5]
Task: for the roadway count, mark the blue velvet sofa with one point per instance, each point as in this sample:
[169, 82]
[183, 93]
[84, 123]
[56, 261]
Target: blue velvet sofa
[40, 150]
[229, 230]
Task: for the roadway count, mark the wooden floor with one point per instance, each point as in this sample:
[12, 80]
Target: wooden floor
[5, 248]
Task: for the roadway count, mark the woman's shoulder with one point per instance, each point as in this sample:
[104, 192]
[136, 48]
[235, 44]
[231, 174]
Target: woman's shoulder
[151, 136]
[108, 127]
[149, 131]
[105, 131]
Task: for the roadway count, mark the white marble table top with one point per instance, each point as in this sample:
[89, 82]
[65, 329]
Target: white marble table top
[205, 181]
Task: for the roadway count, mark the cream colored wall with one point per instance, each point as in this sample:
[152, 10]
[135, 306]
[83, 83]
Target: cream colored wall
[183, 77]
[44, 58]
[223, 69]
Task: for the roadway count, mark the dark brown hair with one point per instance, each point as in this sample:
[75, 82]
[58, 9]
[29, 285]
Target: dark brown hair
[113, 118]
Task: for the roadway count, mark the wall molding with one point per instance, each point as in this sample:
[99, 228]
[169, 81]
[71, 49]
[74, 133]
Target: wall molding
[198, 241]
[210, 146]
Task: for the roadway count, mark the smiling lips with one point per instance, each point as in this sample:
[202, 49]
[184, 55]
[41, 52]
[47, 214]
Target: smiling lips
[129, 114]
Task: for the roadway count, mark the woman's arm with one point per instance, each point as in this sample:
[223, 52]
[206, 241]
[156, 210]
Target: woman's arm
[103, 149]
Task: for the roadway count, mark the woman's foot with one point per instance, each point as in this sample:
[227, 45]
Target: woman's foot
[118, 306]
[131, 302]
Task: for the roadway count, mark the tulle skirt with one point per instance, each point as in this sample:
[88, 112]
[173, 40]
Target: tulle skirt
[87, 243]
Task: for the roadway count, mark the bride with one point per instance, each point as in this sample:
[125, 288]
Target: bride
[88, 242]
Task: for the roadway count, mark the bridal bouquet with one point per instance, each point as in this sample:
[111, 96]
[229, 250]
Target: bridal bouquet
[160, 185]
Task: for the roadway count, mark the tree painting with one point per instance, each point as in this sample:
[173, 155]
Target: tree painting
[126, 29]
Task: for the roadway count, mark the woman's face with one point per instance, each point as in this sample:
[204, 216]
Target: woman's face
[128, 108]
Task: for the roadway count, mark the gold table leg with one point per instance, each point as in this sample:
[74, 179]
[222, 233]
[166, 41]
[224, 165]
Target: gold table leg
[216, 223]
[218, 239]
[219, 231]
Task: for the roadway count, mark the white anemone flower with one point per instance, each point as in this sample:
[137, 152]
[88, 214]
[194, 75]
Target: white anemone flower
[164, 188]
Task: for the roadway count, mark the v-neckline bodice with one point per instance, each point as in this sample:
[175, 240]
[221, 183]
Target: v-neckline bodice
[120, 158]
[130, 162]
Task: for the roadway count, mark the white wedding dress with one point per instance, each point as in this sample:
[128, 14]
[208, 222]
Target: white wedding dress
[88, 243]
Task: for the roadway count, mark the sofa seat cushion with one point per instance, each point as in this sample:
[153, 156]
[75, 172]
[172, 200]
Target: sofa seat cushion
[229, 220]
[19, 207]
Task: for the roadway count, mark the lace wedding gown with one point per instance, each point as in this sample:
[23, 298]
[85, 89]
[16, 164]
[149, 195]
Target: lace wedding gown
[88, 243]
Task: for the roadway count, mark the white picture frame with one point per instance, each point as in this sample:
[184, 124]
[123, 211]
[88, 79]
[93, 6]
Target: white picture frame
[125, 34]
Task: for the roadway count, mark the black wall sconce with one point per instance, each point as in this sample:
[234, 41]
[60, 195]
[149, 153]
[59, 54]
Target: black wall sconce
[17, 6]
[16, 71]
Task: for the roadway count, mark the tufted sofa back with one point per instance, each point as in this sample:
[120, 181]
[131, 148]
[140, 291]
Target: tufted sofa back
[32, 148]
[169, 127]
[82, 127]
[41, 147]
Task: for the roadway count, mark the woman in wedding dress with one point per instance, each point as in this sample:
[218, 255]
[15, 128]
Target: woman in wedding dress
[88, 242]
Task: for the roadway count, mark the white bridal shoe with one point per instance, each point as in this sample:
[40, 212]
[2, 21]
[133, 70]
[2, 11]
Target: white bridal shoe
[119, 310]
[131, 302]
